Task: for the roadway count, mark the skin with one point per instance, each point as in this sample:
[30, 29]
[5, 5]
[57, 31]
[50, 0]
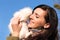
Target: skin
[16, 26]
[36, 20]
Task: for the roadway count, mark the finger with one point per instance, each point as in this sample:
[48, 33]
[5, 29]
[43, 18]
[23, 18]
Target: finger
[15, 20]
[14, 27]
[19, 27]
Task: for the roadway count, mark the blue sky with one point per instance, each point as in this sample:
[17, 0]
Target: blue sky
[8, 7]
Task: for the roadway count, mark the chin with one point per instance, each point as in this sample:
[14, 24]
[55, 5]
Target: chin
[30, 26]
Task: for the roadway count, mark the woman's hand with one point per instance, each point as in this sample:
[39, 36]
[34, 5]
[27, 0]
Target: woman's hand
[16, 26]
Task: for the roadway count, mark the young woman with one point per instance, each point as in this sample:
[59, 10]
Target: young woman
[43, 18]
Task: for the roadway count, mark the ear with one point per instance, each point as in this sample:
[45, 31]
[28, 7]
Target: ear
[47, 25]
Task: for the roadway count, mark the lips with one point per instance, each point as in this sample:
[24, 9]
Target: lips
[31, 22]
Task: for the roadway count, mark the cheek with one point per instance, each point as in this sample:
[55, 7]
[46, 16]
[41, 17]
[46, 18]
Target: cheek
[40, 22]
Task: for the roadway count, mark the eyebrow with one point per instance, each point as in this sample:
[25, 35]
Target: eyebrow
[37, 14]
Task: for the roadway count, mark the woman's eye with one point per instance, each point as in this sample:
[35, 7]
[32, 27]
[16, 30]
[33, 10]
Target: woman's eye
[37, 17]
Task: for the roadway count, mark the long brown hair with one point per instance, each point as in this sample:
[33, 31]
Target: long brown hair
[51, 17]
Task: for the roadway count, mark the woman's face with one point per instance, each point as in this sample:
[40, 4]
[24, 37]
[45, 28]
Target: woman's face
[37, 18]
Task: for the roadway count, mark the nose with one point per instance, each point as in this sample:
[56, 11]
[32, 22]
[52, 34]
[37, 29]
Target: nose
[31, 16]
